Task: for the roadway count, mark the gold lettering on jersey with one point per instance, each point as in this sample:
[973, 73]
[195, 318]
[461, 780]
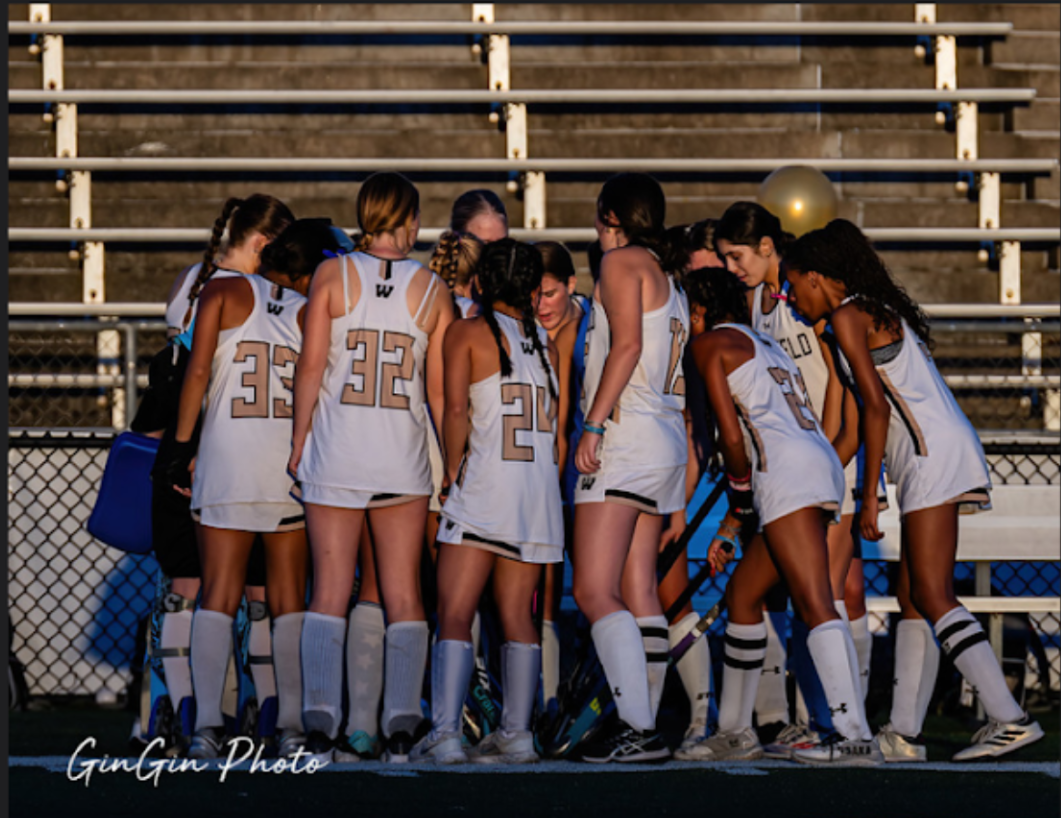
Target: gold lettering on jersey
[796, 398]
[391, 373]
[547, 420]
[513, 423]
[363, 394]
[675, 384]
[256, 379]
[282, 358]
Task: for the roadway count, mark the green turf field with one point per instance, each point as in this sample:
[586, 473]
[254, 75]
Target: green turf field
[42, 740]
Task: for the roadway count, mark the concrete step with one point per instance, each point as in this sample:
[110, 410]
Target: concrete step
[252, 11]
[24, 75]
[843, 12]
[1046, 82]
[1024, 16]
[266, 121]
[1032, 48]
[648, 11]
[646, 74]
[1042, 115]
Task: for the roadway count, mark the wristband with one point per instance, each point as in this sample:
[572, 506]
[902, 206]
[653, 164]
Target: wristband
[727, 541]
[595, 428]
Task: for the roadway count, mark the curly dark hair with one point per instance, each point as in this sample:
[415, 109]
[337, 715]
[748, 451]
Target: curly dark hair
[510, 271]
[299, 249]
[842, 252]
[720, 293]
[637, 203]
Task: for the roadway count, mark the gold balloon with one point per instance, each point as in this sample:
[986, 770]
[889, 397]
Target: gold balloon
[802, 197]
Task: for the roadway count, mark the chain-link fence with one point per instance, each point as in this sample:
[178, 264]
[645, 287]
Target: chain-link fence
[76, 604]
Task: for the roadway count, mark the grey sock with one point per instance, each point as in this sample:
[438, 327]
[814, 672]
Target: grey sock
[287, 663]
[451, 671]
[405, 658]
[322, 672]
[520, 666]
[211, 648]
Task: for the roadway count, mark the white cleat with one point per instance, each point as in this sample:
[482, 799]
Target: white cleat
[443, 750]
[738, 746]
[899, 748]
[998, 738]
[788, 739]
[504, 747]
[837, 751]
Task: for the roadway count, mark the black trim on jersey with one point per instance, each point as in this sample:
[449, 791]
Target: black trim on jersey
[629, 495]
[965, 644]
[906, 421]
[950, 630]
[380, 498]
[741, 664]
[751, 435]
[504, 546]
[387, 270]
[745, 644]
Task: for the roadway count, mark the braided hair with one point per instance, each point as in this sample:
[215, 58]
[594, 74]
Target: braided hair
[385, 202]
[300, 248]
[842, 252]
[510, 271]
[636, 202]
[258, 213]
[455, 257]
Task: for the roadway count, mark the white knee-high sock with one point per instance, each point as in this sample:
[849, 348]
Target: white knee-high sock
[211, 648]
[176, 636]
[451, 672]
[365, 633]
[916, 665]
[966, 644]
[322, 672]
[654, 638]
[745, 651]
[771, 700]
[405, 660]
[863, 640]
[287, 665]
[618, 642]
[816, 703]
[550, 661]
[520, 668]
[836, 664]
[694, 669]
[261, 653]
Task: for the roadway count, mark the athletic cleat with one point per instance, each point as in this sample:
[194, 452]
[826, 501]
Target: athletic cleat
[694, 735]
[290, 741]
[788, 739]
[399, 744]
[504, 747]
[320, 747]
[624, 744]
[443, 750]
[838, 751]
[207, 743]
[896, 747]
[357, 747]
[998, 738]
[737, 746]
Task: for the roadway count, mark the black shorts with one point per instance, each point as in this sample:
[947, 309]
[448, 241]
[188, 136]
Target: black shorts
[173, 538]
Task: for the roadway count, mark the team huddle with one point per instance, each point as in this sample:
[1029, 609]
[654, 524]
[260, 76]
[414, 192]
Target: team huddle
[341, 415]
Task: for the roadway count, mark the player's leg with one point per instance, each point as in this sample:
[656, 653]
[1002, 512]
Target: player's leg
[365, 634]
[223, 554]
[514, 585]
[858, 617]
[554, 585]
[334, 535]
[931, 544]
[603, 537]
[398, 539]
[463, 572]
[641, 594]
[287, 563]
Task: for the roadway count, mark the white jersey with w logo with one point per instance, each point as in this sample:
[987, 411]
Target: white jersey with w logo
[246, 435]
[369, 429]
[793, 464]
[507, 495]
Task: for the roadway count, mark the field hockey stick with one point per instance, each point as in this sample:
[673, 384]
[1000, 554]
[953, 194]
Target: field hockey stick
[699, 629]
[671, 553]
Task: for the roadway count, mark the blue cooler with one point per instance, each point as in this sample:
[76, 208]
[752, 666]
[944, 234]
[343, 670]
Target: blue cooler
[122, 515]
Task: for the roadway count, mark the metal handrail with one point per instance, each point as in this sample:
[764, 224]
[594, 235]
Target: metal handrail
[559, 96]
[154, 309]
[430, 235]
[581, 28]
[273, 164]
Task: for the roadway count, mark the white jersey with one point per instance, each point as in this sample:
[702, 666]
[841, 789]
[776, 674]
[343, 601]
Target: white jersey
[933, 453]
[369, 428]
[797, 338]
[793, 464]
[246, 435]
[646, 429]
[464, 305]
[507, 493]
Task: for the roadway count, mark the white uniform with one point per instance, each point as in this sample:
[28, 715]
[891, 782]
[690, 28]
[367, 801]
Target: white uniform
[464, 305]
[933, 452]
[368, 441]
[644, 451]
[241, 480]
[798, 339]
[507, 495]
[793, 464]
